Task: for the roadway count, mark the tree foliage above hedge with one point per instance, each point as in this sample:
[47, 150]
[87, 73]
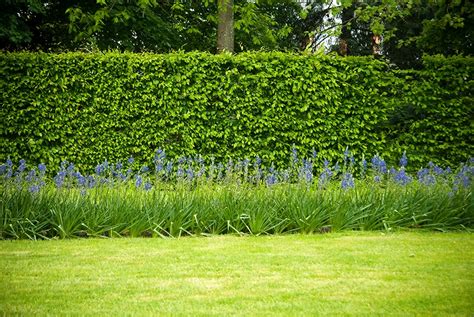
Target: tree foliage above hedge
[87, 108]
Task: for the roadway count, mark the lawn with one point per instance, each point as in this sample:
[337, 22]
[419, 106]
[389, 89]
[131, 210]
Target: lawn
[345, 273]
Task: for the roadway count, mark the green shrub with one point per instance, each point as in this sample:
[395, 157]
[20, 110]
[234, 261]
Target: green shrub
[87, 108]
[433, 115]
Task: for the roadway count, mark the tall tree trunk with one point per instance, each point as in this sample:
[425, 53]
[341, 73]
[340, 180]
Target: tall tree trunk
[225, 26]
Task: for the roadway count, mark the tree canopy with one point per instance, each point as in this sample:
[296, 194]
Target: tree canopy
[407, 29]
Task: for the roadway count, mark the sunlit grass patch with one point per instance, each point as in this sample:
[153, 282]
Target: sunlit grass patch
[357, 273]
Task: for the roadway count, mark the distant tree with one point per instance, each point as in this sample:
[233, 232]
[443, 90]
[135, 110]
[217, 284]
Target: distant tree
[405, 29]
[17, 22]
[431, 27]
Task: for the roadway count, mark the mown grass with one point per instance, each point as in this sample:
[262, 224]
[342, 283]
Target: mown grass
[357, 273]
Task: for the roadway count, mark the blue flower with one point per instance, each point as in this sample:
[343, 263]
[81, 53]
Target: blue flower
[81, 180]
[31, 176]
[159, 167]
[438, 170]
[422, 173]
[229, 166]
[294, 155]
[99, 169]
[379, 165]
[271, 170]
[309, 176]
[130, 160]
[464, 176]
[118, 166]
[160, 154]
[91, 182]
[404, 160]
[271, 179]
[325, 176]
[9, 162]
[375, 162]
[144, 169]
[169, 167]
[347, 181]
[138, 181]
[3, 169]
[382, 166]
[22, 166]
[34, 189]
[59, 178]
[42, 168]
[352, 159]
[307, 171]
[180, 172]
[70, 168]
[201, 171]
[199, 160]
[147, 186]
[190, 174]
[429, 180]
[402, 178]
[377, 178]
[346, 154]
[425, 177]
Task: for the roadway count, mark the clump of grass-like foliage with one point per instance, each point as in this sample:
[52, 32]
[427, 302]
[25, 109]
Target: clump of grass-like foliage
[191, 197]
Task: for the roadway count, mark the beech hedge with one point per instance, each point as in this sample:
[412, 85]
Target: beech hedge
[86, 108]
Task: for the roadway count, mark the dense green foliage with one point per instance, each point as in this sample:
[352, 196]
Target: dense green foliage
[145, 25]
[218, 209]
[193, 199]
[86, 108]
[409, 28]
[433, 114]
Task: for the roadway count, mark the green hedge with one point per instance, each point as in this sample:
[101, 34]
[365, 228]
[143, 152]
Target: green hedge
[86, 108]
[433, 117]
